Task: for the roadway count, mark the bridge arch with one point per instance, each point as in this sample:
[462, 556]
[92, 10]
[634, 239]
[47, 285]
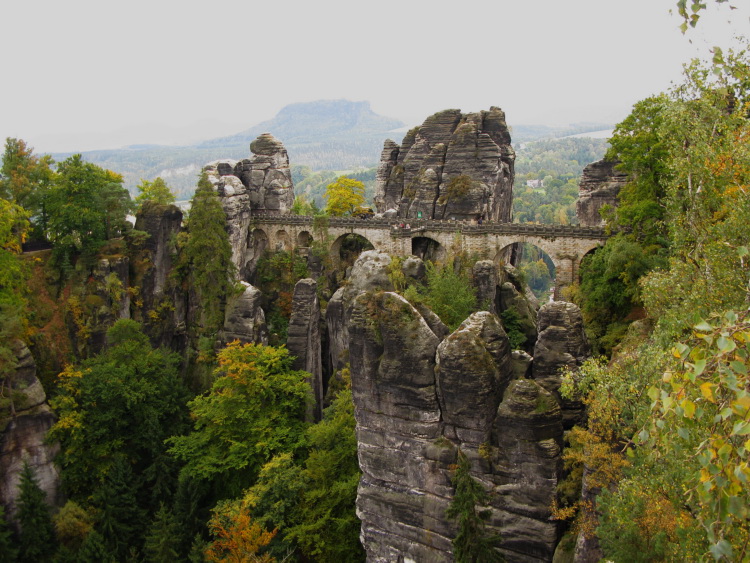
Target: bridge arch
[304, 239]
[428, 248]
[348, 246]
[282, 241]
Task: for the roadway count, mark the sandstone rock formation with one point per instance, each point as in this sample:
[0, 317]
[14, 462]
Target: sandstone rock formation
[600, 184]
[262, 183]
[455, 166]
[244, 319]
[22, 438]
[562, 343]
[162, 223]
[419, 397]
[304, 340]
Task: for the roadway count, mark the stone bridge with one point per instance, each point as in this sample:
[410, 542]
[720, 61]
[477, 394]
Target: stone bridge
[565, 245]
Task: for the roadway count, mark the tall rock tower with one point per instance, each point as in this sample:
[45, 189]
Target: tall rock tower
[455, 166]
[262, 183]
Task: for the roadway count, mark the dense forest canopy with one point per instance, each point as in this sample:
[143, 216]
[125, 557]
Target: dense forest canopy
[209, 455]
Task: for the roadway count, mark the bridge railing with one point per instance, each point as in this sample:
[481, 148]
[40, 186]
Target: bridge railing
[422, 225]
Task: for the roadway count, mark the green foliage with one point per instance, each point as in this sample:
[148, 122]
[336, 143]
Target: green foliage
[449, 294]
[472, 544]
[8, 547]
[208, 255]
[610, 286]
[73, 524]
[512, 325]
[163, 538]
[120, 404]
[37, 537]
[156, 191]
[701, 413]
[641, 145]
[312, 502]
[456, 189]
[120, 520]
[25, 180]
[255, 409]
[86, 206]
[675, 400]
[302, 206]
[343, 196]
[276, 275]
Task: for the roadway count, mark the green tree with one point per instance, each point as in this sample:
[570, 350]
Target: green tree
[25, 179]
[344, 196]
[120, 520]
[86, 206]
[157, 191]
[208, 255]
[255, 409]
[13, 288]
[472, 544]
[448, 293]
[163, 539]
[37, 536]
[8, 547]
[121, 404]
[327, 527]
[73, 524]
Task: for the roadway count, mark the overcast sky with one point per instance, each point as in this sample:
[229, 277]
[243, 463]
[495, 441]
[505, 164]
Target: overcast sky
[85, 74]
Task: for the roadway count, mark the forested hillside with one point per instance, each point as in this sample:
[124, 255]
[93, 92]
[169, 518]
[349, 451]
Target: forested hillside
[666, 301]
[156, 433]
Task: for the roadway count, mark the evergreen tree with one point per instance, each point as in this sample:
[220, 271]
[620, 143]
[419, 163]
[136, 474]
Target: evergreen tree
[120, 519]
[209, 254]
[37, 536]
[163, 538]
[94, 550]
[8, 548]
[471, 544]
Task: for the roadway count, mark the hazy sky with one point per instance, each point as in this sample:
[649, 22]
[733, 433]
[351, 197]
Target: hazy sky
[85, 74]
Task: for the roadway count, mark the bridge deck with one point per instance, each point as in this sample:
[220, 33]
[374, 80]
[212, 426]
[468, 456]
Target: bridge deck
[418, 225]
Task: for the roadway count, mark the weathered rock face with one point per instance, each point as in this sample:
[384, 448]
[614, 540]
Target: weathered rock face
[244, 319]
[369, 273]
[418, 398]
[562, 343]
[169, 328]
[304, 341]
[455, 166]
[23, 438]
[600, 184]
[261, 183]
[162, 223]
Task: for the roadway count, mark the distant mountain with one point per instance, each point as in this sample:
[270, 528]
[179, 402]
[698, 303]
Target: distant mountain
[310, 122]
[322, 135]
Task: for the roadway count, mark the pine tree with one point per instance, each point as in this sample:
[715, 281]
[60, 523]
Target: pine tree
[37, 537]
[120, 519]
[209, 254]
[163, 539]
[8, 549]
[471, 544]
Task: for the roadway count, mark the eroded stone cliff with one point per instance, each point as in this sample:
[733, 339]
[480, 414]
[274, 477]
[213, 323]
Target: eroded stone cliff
[600, 183]
[455, 166]
[262, 183]
[420, 396]
[23, 438]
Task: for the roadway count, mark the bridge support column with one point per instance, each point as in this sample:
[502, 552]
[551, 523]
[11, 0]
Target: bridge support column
[566, 274]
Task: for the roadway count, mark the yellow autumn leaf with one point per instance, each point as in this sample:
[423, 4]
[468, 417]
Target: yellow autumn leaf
[707, 390]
